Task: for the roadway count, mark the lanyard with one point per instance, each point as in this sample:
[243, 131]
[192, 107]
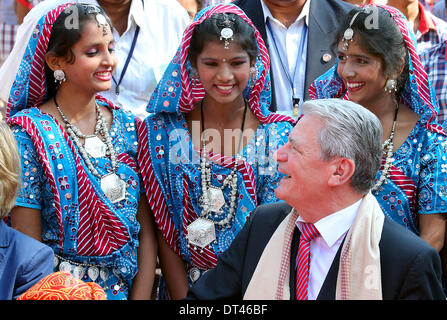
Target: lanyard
[126, 64]
[129, 56]
[295, 99]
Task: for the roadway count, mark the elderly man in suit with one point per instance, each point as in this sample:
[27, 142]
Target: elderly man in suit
[299, 35]
[330, 238]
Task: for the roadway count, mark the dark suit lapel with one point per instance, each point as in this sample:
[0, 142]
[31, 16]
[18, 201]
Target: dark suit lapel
[322, 32]
[293, 254]
[253, 9]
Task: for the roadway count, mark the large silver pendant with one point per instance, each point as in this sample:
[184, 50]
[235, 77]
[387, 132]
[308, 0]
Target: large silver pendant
[114, 188]
[201, 232]
[95, 147]
[216, 198]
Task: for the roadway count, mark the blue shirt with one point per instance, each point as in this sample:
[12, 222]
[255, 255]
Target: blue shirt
[23, 262]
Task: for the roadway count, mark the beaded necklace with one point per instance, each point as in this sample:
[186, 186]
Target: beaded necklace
[201, 232]
[114, 188]
[387, 149]
[211, 191]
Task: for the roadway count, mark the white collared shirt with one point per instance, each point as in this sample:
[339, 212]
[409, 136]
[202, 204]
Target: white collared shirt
[323, 249]
[161, 23]
[287, 42]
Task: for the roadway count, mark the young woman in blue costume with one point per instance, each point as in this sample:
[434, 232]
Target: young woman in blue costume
[378, 68]
[80, 184]
[207, 149]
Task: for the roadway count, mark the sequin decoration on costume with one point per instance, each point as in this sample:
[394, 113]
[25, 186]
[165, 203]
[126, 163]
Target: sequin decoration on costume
[416, 181]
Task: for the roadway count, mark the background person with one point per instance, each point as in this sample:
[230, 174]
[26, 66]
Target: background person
[198, 178]
[24, 260]
[80, 187]
[380, 70]
[299, 36]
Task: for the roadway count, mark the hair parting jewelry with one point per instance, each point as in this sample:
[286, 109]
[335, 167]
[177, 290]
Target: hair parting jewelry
[226, 33]
[348, 35]
[100, 18]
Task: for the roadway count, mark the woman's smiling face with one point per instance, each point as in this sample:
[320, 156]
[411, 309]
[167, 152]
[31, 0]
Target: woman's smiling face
[362, 73]
[224, 73]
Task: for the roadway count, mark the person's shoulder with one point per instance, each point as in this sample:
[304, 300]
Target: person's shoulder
[170, 6]
[336, 6]
[437, 50]
[398, 239]
[438, 21]
[271, 213]
[22, 242]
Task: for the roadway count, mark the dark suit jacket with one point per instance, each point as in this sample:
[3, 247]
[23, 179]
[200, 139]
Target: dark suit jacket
[324, 18]
[411, 268]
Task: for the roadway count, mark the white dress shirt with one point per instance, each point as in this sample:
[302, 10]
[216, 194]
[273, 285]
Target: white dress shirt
[161, 23]
[323, 249]
[287, 41]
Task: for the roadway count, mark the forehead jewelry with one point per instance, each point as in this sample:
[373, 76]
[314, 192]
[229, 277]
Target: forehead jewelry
[100, 18]
[102, 22]
[226, 33]
[349, 33]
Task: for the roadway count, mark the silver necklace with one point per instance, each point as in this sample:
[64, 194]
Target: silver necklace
[387, 150]
[111, 184]
[201, 232]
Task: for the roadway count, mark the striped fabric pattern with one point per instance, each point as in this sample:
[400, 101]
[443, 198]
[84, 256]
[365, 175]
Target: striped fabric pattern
[308, 233]
[37, 88]
[192, 94]
[100, 231]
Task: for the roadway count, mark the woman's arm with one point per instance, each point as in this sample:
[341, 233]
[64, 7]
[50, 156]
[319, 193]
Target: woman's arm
[147, 253]
[432, 228]
[27, 221]
[173, 270]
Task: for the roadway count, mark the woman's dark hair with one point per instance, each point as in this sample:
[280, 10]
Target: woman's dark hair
[66, 32]
[378, 34]
[209, 30]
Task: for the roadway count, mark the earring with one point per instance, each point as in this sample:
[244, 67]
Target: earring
[253, 76]
[194, 77]
[59, 76]
[390, 86]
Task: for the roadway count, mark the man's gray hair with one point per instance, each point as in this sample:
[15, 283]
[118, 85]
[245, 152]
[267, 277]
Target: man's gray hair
[349, 131]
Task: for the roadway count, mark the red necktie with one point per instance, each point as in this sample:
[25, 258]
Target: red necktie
[308, 233]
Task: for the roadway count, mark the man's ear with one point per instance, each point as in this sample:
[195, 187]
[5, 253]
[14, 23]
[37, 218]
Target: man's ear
[342, 170]
[54, 62]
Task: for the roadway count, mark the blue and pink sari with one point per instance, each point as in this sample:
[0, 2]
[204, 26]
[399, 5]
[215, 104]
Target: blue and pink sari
[418, 180]
[170, 163]
[91, 237]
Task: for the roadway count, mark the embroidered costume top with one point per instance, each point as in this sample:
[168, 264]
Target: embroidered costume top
[170, 163]
[418, 179]
[92, 237]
